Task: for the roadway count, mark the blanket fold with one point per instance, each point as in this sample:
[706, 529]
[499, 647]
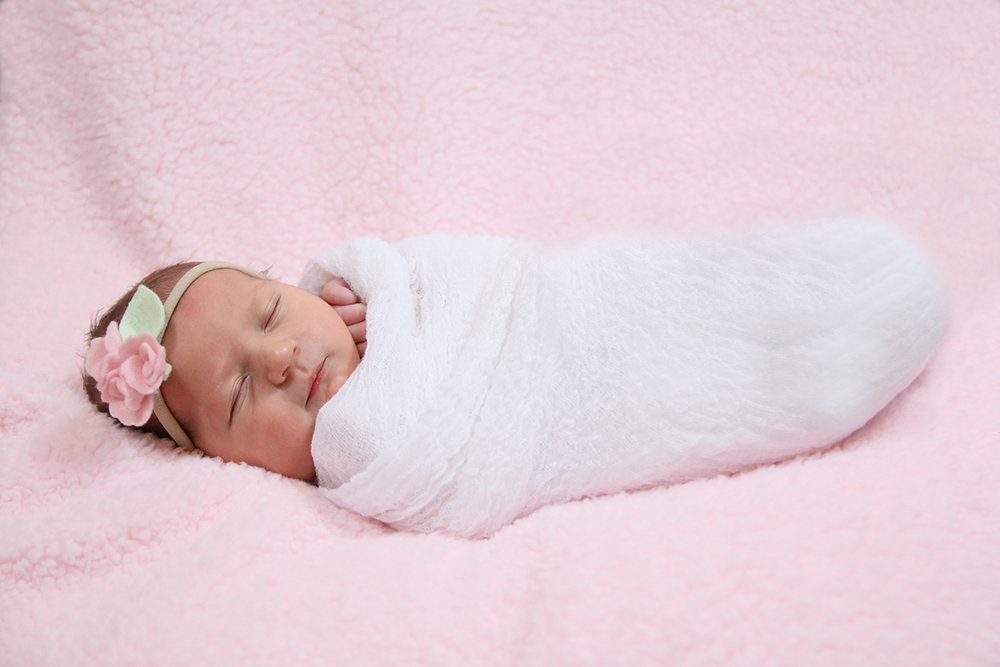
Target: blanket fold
[500, 378]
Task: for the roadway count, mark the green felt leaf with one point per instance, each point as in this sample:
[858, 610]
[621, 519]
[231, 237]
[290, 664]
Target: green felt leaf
[144, 314]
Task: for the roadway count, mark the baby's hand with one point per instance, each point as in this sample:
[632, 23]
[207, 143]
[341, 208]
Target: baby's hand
[353, 312]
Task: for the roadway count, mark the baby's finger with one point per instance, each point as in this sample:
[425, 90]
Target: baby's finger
[362, 346]
[353, 313]
[359, 332]
[337, 293]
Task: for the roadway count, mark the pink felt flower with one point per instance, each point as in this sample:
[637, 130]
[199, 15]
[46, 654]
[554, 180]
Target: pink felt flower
[128, 373]
[144, 362]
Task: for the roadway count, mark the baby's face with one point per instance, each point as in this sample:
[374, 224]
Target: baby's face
[253, 362]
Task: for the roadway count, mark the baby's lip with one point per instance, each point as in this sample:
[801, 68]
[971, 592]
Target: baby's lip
[317, 381]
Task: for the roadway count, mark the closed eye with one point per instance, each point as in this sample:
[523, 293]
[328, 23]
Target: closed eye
[240, 390]
[271, 314]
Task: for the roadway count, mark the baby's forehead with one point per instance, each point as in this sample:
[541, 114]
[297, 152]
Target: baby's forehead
[223, 284]
[215, 297]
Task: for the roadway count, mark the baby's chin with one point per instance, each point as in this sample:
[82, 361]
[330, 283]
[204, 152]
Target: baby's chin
[304, 470]
[334, 384]
[337, 382]
[309, 478]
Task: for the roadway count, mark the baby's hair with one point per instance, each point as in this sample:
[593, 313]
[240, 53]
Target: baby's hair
[161, 282]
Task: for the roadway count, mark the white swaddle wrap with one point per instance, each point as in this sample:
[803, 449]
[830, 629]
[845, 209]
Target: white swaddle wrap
[499, 378]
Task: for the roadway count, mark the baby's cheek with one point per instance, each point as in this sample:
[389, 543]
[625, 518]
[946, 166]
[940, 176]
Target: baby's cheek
[288, 449]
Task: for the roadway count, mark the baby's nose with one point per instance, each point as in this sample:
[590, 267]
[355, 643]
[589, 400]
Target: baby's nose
[278, 359]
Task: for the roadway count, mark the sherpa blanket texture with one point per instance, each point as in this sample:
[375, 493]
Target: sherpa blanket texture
[499, 378]
[135, 134]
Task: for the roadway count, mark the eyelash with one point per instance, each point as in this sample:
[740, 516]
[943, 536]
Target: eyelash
[271, 314]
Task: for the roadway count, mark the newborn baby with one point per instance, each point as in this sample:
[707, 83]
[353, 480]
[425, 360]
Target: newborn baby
[499, 378]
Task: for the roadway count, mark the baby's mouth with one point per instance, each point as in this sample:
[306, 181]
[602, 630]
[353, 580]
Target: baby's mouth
[317, 382]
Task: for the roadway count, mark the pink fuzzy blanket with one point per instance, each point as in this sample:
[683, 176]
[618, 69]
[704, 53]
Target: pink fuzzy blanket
[134, 134]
